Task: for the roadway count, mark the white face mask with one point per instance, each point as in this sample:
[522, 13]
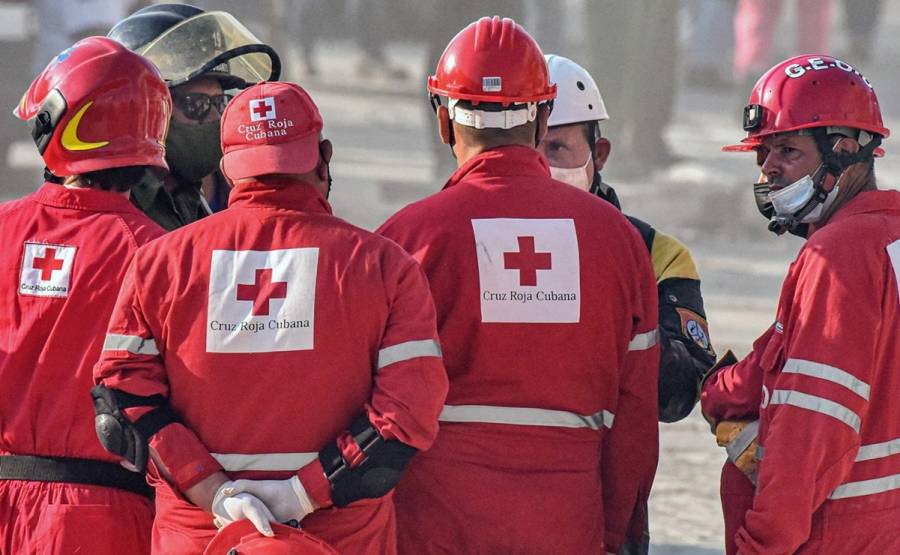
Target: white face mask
[791, 199]
[577, 177]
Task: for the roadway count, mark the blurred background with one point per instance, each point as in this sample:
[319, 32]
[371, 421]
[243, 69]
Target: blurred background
[675, 75]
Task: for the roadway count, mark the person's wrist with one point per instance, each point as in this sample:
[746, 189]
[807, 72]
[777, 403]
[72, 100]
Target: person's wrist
[307, 504]
[203, 493]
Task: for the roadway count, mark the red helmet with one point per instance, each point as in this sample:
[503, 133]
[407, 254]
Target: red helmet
[810, 91]
[242, 538]
[493, 60]
[98, 106]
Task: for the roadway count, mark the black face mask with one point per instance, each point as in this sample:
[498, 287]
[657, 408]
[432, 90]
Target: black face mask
[193, 151]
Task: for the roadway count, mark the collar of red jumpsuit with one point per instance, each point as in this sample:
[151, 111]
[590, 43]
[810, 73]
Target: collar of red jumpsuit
[500, 162]
[82, 198]
[288, 194]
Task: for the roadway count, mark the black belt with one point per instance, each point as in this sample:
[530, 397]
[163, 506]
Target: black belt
[75, 471]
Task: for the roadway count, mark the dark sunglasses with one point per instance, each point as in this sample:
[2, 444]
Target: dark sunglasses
[196, 105]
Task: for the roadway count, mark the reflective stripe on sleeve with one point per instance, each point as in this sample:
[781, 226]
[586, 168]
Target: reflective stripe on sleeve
[816, 404]
[525, 416]
[289, 462]
[407, 351]
[866, 487]
[643, 341]
[829, 373]
[878, 450]
[871, 452]
[739, 444]
[131, 343]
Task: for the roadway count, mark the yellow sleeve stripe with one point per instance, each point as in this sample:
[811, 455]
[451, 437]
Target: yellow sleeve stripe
[671, 259]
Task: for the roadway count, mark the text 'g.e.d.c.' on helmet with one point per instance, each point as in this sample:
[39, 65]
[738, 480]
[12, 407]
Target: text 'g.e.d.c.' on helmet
[97, 106]
[498, 70]
[809, 92]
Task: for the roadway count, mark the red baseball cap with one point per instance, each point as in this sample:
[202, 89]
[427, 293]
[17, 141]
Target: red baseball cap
[270, 128]
[241, 538]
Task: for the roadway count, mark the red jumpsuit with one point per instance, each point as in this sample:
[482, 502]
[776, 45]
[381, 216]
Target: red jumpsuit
[824, 380]
[549, 338]
[270, 327]
[63, 257]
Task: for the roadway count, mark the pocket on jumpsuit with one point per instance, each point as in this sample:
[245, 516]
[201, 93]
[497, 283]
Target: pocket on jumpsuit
[88, 529]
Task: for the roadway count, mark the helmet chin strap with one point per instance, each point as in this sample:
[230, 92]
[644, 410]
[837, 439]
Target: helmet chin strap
[49, 177]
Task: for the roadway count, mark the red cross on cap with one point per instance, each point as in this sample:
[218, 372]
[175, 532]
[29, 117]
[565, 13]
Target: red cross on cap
[262, 108]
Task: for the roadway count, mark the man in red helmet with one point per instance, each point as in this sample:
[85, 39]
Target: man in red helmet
[65, 251]
[549, 338]
[810, 416]
[289, 360]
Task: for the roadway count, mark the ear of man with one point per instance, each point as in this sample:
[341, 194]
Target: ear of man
[602, 148]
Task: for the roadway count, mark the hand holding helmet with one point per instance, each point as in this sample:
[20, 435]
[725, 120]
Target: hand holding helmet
[229, 506]
[287, 499]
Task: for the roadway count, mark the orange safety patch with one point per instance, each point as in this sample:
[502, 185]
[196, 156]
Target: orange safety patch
[695, 327]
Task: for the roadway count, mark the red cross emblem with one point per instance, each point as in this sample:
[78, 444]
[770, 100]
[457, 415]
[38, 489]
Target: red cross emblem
[261, 292]
[47, 264]
[262, 109]
[527, 261]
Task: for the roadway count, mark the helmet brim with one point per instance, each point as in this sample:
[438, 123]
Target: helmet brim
[751, 146]
[740, 147]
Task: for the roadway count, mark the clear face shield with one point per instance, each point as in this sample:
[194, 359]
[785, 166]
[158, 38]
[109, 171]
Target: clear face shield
[216, 44]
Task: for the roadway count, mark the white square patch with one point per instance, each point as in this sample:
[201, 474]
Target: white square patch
[261, 301]
[46, 270]
[528, 270]
[262, 109]
[894, 253]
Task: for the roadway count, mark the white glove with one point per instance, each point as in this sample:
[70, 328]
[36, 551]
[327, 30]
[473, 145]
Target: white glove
[229, 507]
[287, 499]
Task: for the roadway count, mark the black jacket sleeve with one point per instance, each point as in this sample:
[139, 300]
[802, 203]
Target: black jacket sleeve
[686, 350]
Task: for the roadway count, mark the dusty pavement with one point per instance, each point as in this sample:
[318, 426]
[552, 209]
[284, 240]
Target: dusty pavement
[383, 160]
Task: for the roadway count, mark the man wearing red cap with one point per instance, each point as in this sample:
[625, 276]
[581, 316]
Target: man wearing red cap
[548, 440]
[293, 357]
[810, 418]
[64, 256]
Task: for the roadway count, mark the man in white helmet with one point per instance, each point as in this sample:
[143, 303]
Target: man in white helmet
[577, 152]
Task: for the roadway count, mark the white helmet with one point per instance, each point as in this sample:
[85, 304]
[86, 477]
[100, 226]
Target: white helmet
[578, 98]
